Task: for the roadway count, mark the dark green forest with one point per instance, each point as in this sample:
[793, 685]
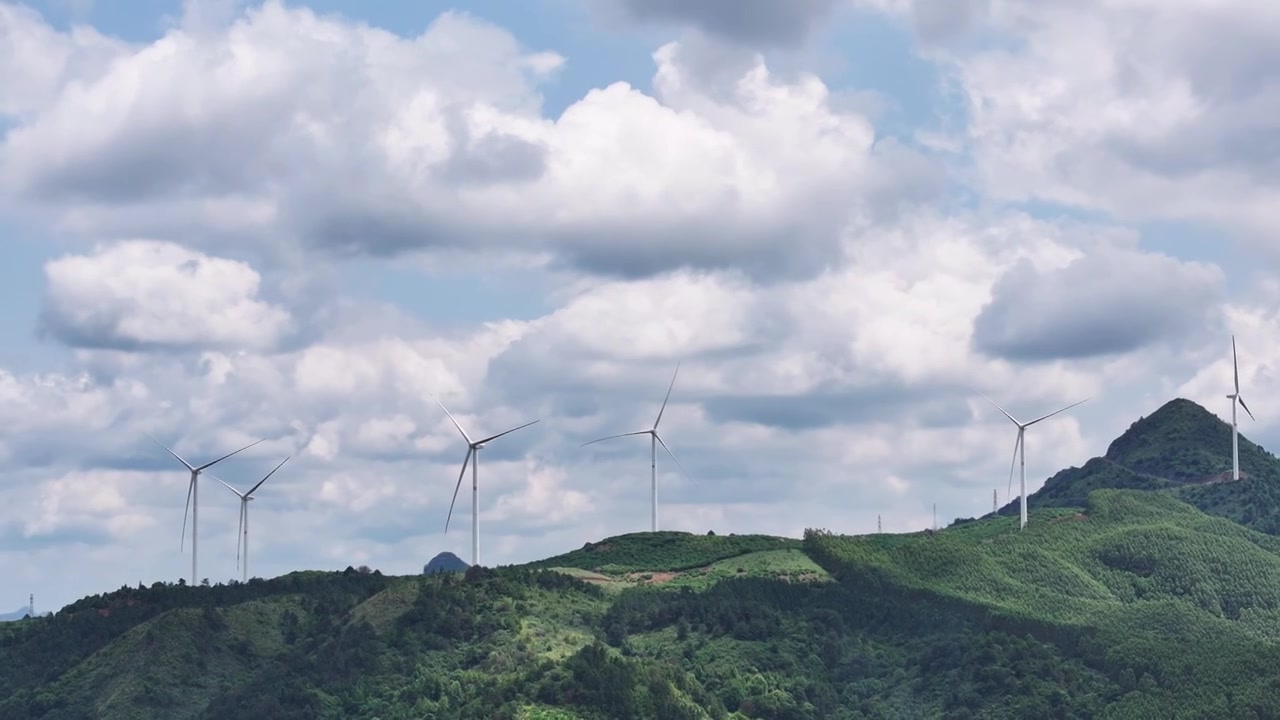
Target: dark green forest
[1135, 592]
[1184, 450]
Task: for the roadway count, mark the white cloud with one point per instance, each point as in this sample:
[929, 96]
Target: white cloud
[1072, 311]
[754, 22]
[386, 150]
[37, 62]
[729, 218]
[146, 294]
[1146, 110]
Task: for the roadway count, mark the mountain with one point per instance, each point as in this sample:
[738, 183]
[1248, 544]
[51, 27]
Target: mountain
[15, 615]
[1143, 588]
[1132, 605]
[1183, 450]
[445, 562]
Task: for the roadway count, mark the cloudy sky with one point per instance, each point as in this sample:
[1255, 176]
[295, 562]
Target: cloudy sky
[225, 221]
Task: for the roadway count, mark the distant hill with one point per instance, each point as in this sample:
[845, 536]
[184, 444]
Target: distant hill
[15, 615]
[1120, 600]
[445, 562]
[1184, 450]
[1133, 605]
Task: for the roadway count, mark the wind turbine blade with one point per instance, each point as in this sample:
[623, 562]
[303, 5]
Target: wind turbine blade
[237, 492]
[1012, 419]
[454, 420]
[668, 397]
[171, 452]
[638, 432]
[273, 472]
[186, 509]
[224, 457]
[240, 531]
[470, 449]
[508, 432]
[673, 455]
[1008, 493]
[1235, 364]
[1246, 408]
[1055, 412]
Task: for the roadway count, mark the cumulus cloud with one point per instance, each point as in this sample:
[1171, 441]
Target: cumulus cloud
[1103, 302]
[37, 62]
[1255, 322]
[156, 295]
[756, 22]
[359, 141]
[733, 220]
[1155, 110]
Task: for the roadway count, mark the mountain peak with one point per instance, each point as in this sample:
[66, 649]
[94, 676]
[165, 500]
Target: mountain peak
[1182, 442]
[1185, 450]
[445, 562]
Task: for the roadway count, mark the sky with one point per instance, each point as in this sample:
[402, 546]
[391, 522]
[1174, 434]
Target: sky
[846, 220]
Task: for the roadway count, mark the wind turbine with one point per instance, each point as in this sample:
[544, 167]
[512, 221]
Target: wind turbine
[243, 529]
[1021, 443]
[193, 494]
[473, 457]
[1235, 398]
[654, 441]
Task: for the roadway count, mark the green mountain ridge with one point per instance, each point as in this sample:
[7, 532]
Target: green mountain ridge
[1184, 450]
[1113, 603]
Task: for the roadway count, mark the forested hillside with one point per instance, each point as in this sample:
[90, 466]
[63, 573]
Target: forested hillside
[1112, 603]
[1184, 450]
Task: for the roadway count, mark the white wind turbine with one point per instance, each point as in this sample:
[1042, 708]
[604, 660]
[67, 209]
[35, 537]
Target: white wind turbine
[193, 494]
[1235, 398]
[1021, 444]
[473, 457]
[654, 441]
[243, 528]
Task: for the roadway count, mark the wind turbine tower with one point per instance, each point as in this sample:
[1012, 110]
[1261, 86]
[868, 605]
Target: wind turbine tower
[995, 501]
[242, 532]
[193, 495]
[1236, 399]
[473, 457]
[654, 441]
[1021, 445]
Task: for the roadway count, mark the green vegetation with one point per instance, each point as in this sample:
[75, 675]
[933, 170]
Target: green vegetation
[1184, 450]
[663, 552]
[1113, 604]
[1119, 586]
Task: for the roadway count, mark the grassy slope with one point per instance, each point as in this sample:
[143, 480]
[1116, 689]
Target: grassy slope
[664, 551]
[1139, 582]
[134, 676]
[1140, 606]
[1184, 450]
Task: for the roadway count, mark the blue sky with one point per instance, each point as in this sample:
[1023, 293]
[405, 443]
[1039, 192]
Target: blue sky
[844, 218]
[864, 53]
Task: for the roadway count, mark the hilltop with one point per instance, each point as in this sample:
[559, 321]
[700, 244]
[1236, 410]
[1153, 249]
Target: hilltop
[445, 562]
[1184, 450]
[1141, 589]
[1135, 605]
[18, 614]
